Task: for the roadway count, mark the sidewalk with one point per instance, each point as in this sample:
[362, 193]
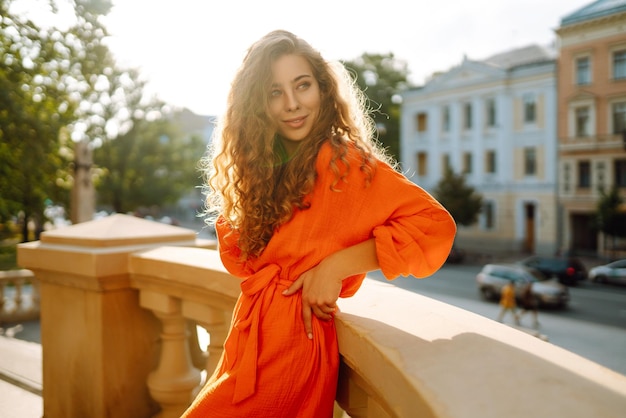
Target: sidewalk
[20, 379]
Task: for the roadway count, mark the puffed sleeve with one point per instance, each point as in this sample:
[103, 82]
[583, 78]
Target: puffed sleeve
[418, 233]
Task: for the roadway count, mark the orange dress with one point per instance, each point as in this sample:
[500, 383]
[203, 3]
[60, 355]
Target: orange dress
[269, 367]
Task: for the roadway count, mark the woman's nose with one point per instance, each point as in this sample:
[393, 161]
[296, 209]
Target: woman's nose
[291, 102]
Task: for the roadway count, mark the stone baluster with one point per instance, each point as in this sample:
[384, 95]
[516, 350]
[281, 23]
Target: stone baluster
[172, 385]
[17, 297]
[216, 322]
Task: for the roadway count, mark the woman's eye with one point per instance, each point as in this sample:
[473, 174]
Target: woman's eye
[304, 86]
[275, 93]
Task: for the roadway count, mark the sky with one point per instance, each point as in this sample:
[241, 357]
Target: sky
[189, 50]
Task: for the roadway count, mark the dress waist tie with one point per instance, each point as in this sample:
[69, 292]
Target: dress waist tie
[254, 288]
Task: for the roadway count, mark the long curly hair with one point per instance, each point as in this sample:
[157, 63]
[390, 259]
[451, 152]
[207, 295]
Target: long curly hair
[247, 177]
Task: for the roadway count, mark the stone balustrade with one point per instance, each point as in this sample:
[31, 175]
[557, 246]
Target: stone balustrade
[19, 296]
[121, 299]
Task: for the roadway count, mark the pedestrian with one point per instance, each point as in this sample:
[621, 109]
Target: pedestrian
[508, 303]
[528, 301]
[308, 203]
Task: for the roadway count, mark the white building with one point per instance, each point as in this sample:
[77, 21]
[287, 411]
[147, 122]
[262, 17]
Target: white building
[495, 121]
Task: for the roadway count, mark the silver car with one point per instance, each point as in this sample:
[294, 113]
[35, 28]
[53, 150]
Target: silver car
[548, 292]
[614, 272]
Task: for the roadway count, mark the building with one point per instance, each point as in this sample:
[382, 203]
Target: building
[494, 121]
[190, 205]
[591, 75]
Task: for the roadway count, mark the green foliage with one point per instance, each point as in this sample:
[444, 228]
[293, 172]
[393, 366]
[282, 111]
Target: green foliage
[381, 77]
[61, 86]
[150, 165]
[34, 109]
[8, 256]
[608, 218]
[460, 199]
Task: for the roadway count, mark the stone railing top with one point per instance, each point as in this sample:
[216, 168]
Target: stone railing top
[427, 358]
[118, 230]
[99, 249]
[179, 267]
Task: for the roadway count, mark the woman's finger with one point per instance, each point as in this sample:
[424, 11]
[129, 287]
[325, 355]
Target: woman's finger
[295, 286]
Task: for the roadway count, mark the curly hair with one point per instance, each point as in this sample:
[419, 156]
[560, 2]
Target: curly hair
[247, 178]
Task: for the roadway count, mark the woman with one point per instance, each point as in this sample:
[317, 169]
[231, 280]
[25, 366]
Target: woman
[508, 302]
[307, 205]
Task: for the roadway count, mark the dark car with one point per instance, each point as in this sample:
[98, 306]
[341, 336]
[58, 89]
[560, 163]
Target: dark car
[493, 277]
[569, 270]
[456, 255]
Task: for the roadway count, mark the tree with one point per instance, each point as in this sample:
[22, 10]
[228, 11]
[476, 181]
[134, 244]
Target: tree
[148, 166]
[141, 160]
[34, 109]
[460, 199]
[96, 102]
[381, 77]
[608, 218]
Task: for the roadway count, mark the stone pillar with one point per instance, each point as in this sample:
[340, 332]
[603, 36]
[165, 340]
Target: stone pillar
[83, 202]
[98, 344]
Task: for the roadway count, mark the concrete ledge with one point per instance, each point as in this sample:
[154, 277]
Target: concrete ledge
[412, 353]
[20, 364]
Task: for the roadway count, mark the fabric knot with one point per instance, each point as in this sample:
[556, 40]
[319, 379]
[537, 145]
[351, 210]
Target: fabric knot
[254, 290]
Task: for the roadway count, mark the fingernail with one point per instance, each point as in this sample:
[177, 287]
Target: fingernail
[310, 336]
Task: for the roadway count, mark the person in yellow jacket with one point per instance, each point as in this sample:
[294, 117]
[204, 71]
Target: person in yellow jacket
[508, 303]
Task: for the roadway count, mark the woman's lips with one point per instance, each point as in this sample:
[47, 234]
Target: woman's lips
[295, 122]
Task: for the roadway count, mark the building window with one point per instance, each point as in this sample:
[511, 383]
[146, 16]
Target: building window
[584, 174]
[530, 108]
[620, 173]
[583, 71]
[421, 122]
[489, 215]
[566, 177]
[467, 162]
[422, 161]
[530, 162]
[445, 119]
[491, 113]
[619, 64]
[582, 121]
[618, 111]
[445, 163]
[467, 116]
[600, 174]
[490, 162]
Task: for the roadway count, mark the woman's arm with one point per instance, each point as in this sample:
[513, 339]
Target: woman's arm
[321, 285]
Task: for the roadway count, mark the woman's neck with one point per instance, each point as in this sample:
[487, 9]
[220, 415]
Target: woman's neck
[289, 146]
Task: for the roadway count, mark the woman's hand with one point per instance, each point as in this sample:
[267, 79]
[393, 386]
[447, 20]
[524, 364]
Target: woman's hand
[321, 285]
[320, 291]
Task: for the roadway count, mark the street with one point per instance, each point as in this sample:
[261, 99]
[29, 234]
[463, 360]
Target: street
[593, 325]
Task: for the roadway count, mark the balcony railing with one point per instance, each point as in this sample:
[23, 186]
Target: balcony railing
[598, 143]
[19, 296]
[121, 299]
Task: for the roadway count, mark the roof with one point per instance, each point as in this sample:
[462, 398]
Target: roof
[597, 9]
[530, 54]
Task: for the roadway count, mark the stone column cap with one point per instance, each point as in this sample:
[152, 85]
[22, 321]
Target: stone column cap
[116, 231]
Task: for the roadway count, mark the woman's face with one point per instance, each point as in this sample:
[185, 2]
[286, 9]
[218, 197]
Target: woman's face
[294, 99]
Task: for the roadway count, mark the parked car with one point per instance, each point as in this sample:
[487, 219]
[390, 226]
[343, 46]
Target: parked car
[548, 291]
[569, 270]
[614, 272]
